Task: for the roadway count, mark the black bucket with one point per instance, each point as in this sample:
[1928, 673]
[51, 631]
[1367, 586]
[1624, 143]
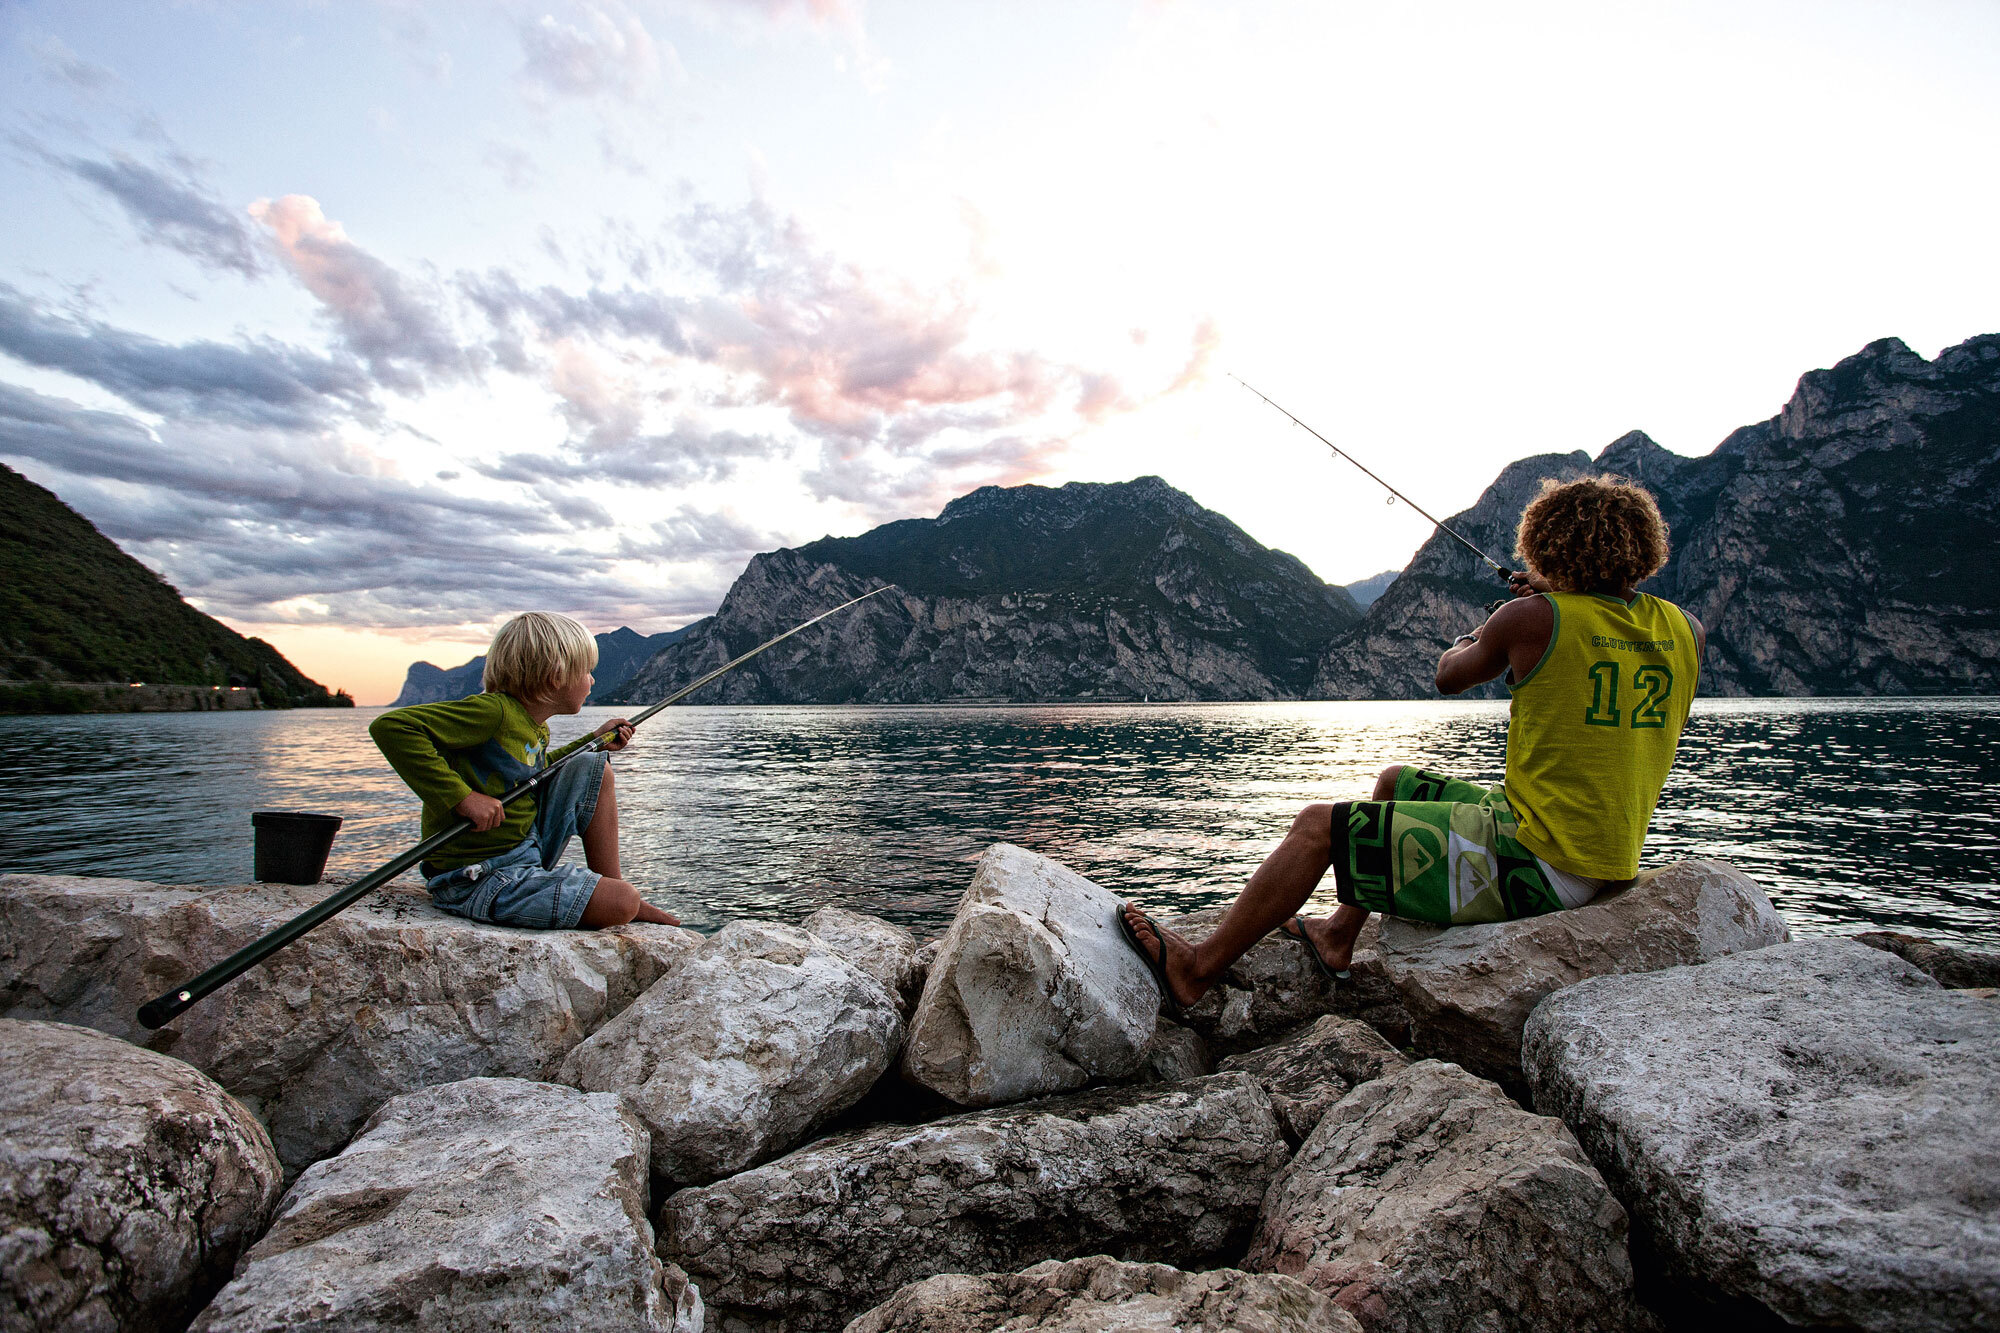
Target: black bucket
[292, 845]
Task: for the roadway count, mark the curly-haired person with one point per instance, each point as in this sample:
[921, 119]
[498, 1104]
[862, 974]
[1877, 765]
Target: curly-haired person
[1601, 677]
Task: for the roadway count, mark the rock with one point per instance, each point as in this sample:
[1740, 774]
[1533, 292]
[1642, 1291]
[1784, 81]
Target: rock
[756, 1039]
[1954, 969]
[882, 949]
[1470, 988]
[1274, 988]
[1033, 991]
[129, 1182]
[389, 996]
[1102, 1295]
[1174, 1055]
[1425, 1199]
[1809, 1126]
[492, 1203]
[1171, 1174]
[1309, 1071]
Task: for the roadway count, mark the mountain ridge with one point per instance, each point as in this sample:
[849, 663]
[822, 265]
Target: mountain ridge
[620, 652]
[75, 608]
[1092, 590]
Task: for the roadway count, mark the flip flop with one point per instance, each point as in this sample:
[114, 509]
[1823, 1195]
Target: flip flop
[1157, 966]
[1326, 969]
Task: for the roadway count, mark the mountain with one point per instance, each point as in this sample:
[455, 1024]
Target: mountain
[619, 654]
[1848, 545]
[73, 607]
[1087, 591]
[1367, 590]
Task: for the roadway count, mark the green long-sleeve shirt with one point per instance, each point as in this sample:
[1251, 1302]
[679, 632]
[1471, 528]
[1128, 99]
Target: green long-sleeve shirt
[447, 751]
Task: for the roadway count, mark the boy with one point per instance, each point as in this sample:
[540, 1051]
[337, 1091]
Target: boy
[460, 756]
[1601, 677]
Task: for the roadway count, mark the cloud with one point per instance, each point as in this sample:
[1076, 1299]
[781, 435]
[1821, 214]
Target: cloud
[398, 331]
[609, 54]
[178, 212]
[251, 384]
[1207, 338]
[66, 66]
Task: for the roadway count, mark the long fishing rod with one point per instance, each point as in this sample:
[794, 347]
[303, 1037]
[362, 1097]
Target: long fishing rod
[1498, 568]
[156, 1012]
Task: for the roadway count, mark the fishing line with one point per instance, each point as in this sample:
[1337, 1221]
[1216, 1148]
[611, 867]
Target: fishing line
[1394, 494]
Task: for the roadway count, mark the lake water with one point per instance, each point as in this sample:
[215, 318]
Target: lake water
[1853, 813]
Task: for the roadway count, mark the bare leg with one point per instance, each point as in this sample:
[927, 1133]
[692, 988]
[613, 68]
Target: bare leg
[1278, 889]
[614, 902]
[1334, 936]
[600, 836]
[1274, 894]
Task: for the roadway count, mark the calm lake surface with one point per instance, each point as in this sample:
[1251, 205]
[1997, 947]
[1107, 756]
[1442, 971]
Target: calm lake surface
[1853, 813]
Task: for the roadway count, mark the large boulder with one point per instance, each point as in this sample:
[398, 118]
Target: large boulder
[1275, 987]
[1470, 988]
[389, 996]
[1172, 1174]
[1810, 1127]
[489, 1204]
[1033, 990]
[1426, 1199]
[1953, 968]
[129, 1182]
[1310, 1070]
[882, 949]
[1103, 1295]
[756, 1039]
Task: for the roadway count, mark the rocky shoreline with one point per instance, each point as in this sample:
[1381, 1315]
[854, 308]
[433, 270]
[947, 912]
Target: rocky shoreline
[1651, 1112]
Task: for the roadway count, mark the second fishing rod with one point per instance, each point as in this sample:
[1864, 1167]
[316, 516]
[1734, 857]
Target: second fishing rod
[164, 1008]
[1510, 576]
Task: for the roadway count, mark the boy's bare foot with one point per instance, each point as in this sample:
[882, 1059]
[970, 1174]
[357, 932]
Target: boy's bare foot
[1182, 983]
[1319, 934]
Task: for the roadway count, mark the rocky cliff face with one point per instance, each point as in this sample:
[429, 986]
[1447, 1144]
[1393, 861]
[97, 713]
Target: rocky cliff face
[1082, 592]
[1849, 545]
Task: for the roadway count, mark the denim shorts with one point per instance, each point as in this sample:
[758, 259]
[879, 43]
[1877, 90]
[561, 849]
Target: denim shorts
[524, 886]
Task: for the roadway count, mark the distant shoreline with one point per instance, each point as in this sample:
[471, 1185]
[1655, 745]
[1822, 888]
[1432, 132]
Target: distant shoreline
[61, 696]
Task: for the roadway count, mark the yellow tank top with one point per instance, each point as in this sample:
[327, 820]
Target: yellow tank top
[1593, 729]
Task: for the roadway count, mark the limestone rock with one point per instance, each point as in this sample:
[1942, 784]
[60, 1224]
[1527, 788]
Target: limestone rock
[492, 1203]
[1172, 1174]
[389, 996]
[882, 949]
[1426, 1199]
[756, 1039]
[1033, 991]
[1809, 1126]
[1274, 988]
[129, 1182]
[1102, 1295]
[1954, 969]
[1174, 1055]
[1470, 988]
[1308, 1072]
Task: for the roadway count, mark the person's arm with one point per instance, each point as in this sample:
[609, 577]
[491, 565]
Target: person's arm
[413, 740]
[1520, 630]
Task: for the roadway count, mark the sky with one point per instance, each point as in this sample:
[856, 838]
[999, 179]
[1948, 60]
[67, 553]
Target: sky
[369, 324]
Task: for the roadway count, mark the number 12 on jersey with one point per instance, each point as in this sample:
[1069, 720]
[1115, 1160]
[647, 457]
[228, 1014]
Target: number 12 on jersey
[1654, 682]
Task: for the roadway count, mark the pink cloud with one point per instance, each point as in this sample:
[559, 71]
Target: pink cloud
[382, 316]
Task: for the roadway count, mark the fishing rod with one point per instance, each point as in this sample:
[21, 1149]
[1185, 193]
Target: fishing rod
[156, 1012]
[1498, 568]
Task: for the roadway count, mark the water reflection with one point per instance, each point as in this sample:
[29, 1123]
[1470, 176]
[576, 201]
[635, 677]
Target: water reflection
[1853, 813]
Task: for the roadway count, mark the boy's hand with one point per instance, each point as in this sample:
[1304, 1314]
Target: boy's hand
[1524, 584]
[484, 812]
[619, 741]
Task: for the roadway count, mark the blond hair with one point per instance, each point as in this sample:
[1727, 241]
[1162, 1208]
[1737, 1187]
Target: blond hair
[537, 653]
[1592, 533]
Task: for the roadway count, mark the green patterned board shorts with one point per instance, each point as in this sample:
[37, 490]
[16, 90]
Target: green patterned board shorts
[1441, 850]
